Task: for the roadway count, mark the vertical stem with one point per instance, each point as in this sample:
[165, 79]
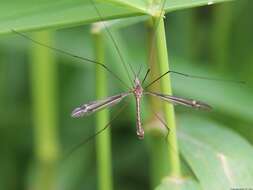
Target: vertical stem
[189, 25]
[221, 30]
[163, 62]
[2, 87]
[157, 146]
[43, 86]
[103, 142]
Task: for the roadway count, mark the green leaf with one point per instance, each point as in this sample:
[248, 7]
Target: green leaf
[28, 15]
[178, 184]
[43, 14]
[172, 5]
[138, 5]
[220, 158]
[227, 97]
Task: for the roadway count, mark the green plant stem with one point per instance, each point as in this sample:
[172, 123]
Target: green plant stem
[103, 142]
[169, 112]
[43, 86]
[222, 24]
[2, 84]
[158, 158]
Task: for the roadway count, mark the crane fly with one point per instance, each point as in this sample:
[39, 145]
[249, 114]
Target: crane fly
[137, 91]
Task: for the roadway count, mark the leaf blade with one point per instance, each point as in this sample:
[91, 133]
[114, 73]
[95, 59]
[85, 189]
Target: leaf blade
[176, 184]
[216, 164]
[27, 15]
[174, 5]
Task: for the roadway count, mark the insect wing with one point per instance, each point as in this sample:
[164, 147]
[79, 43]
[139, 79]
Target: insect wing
[94, 106]
[182, 101]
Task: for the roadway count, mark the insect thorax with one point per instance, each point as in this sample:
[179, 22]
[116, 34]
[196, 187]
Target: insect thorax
[137, 88]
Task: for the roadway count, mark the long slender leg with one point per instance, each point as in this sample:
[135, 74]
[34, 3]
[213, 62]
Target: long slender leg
[145, 76]
[84, 59]
[85, 141]
[163, 124]
[166, 127]
[194, 76]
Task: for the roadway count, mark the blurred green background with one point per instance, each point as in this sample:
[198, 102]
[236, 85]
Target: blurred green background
[212, 41]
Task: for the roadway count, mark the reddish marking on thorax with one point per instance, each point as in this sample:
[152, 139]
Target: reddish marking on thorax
[138, 88]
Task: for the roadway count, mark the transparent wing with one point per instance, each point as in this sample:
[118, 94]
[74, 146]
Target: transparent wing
[181, 101]
[94, 106]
